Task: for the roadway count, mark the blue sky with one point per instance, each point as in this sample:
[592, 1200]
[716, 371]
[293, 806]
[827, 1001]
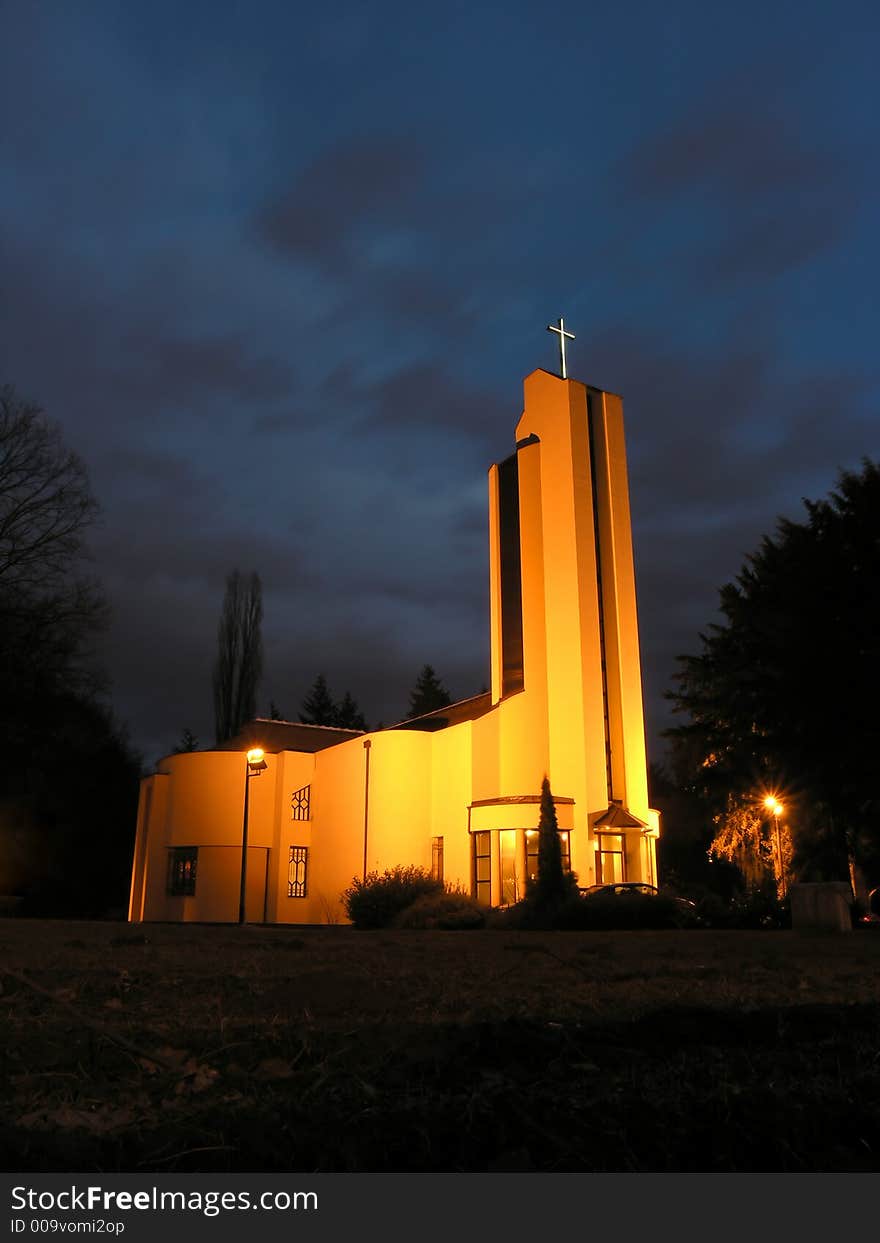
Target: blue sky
[279, 273]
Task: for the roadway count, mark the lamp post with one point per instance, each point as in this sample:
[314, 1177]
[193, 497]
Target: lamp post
[254, 764]
[776, 809]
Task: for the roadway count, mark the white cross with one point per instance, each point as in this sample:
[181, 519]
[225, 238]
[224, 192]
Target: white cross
[562, 335]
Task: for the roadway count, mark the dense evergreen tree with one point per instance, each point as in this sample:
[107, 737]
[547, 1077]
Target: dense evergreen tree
[553, 885]
[428, 693]
[349, 715]
[318, 708]
[782, 696]
[688, 829]
[239, 663]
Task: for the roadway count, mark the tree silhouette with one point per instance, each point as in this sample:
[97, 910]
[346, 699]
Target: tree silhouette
[318, 708]
[49, 609]
[428, 693]
[553, 884]
[782, 697]
[348, 714]
[239, 663]
[188, 742]
[68, 777]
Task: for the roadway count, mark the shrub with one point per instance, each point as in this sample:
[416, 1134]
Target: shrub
[755, 909]
[760, 910]
[595, 913]
[374, 901]
[636, 910]
[527, 915]
[451, 910]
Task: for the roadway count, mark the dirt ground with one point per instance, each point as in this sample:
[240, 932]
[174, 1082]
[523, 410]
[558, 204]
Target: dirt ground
[184, 1047]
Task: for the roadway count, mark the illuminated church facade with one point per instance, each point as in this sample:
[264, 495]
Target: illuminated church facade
[456, 791]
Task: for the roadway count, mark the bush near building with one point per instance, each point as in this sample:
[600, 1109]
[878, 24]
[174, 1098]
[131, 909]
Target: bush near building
[449, 911]
[375, 900]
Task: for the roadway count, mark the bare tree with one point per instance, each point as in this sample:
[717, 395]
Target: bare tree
[68, 778]
[239, 664]
[49, 609]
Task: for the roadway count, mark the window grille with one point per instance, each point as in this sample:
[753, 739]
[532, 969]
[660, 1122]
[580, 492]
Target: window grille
[300, 804]
[298, 872]
[182, 862]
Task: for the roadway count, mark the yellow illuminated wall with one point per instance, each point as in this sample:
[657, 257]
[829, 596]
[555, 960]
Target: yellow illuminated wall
[566, 701]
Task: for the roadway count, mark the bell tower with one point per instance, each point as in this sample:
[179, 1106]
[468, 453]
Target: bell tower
[565, 641]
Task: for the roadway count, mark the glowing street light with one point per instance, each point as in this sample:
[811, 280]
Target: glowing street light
[255, 762]
[776, 809]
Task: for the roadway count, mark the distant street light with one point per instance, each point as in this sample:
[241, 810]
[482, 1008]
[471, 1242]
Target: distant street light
[776, 809]
[254, 764]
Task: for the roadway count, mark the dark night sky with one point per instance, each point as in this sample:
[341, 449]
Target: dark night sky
[279, 270]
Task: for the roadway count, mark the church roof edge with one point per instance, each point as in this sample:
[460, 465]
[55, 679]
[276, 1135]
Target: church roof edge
[596, 388]
[452, 714]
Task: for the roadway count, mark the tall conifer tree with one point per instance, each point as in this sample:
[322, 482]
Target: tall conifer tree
[349, 715]
[239, 664]
[428, 693]
[318, 707]
[553, 884]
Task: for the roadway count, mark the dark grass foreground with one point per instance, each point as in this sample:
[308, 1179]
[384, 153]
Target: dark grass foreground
[163, 1048]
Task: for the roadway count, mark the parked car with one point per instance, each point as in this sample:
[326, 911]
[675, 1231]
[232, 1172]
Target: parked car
[685, 911]
[621, 888]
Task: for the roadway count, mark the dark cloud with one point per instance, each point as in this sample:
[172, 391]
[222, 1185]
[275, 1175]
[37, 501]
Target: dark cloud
[758, 194]
[215, 364]
[772, 244]
[113, 366]
[282, 300]
[408, 230]
[432, 427]
[320, 217]
[739, 147]
[720, 446]
[280, 421]
[427, 399]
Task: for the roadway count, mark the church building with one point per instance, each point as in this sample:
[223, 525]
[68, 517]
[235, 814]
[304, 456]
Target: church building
[276, 834]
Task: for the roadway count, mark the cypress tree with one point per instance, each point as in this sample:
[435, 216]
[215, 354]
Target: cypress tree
[553, 884]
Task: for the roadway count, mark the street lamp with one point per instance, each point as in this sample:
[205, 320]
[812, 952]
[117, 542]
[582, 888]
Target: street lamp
[776, 809]
[254, 764]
